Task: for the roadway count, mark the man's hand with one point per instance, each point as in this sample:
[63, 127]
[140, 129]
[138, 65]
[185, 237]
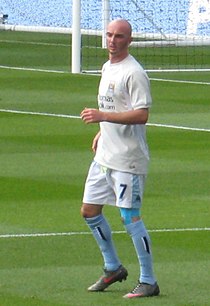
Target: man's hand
[92, 115]
[95, 142]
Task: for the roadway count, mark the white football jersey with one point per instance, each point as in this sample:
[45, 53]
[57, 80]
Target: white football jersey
[124, 86]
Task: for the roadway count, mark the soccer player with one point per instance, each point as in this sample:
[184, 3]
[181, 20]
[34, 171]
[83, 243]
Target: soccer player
[117, 173]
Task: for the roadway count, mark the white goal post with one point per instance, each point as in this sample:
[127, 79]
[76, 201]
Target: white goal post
[76, 31]
[76, 36]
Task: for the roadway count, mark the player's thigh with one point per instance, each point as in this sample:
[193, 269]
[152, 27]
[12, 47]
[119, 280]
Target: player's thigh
[129, 189]
[97, 190]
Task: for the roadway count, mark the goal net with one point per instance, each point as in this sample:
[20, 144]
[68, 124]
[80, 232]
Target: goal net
[166, 34]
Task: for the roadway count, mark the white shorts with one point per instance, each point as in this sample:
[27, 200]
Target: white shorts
[107, 186]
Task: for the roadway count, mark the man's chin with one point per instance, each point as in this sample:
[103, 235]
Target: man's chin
[112, 51]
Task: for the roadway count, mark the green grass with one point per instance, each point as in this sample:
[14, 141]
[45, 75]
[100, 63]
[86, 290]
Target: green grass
[37, 50]
[44, 162]
[49, 271]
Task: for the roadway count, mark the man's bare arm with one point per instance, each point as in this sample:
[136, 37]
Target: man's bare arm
[138, 116]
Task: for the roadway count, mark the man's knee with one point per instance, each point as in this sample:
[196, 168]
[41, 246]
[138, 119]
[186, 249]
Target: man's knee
[90, 210]
[129, 215]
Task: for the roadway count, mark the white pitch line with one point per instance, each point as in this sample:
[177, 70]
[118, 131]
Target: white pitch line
[180, 81]
[38, 114]
[98, 72]
[78, 117]
[34, 43]
[178, 127]
[34, 69]
[169, 230]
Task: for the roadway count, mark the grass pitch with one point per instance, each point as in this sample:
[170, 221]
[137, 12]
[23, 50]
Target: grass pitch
[48, 257]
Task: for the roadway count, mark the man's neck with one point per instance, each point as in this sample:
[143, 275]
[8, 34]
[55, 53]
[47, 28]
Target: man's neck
[116, 59]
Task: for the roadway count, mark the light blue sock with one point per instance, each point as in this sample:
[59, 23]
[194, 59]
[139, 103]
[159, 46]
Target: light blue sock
[103, 236]
[142, 244]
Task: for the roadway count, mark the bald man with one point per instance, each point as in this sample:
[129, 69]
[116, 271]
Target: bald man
[118, 171]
